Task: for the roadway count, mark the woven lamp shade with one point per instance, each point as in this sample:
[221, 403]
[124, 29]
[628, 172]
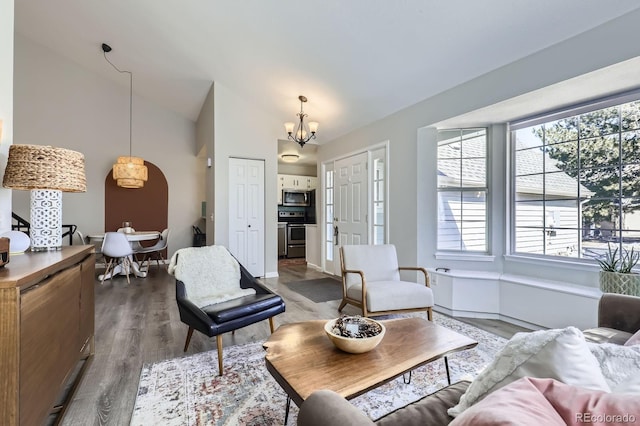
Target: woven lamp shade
[44, 167]
[130, 172]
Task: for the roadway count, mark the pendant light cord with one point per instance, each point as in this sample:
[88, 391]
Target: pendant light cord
[130, 97]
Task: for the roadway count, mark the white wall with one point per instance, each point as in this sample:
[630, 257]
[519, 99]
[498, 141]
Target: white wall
[6, 104]
[244, 131]
[205, 137]
[61, 104]
[412, 146]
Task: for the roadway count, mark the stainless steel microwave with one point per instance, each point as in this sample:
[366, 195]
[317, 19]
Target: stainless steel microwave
[295, 198]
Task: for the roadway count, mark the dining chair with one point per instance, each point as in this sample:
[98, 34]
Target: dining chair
[115, 246]
[155, 251]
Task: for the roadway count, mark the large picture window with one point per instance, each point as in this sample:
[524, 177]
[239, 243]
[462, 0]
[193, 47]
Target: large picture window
[462, 190]
[576, 181]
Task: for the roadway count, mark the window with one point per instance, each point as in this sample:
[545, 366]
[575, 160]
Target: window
[379, 208]
[576, 181]
[462, 190]
[328, 197]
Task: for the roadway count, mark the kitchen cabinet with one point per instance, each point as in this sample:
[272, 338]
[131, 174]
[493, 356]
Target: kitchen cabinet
[295, 182]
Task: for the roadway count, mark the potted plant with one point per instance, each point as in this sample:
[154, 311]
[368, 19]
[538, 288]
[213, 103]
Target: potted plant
[616, 274]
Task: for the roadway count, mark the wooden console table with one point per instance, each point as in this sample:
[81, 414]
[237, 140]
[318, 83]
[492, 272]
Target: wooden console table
[46, 329]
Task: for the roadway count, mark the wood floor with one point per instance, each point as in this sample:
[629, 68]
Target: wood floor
[139, 323]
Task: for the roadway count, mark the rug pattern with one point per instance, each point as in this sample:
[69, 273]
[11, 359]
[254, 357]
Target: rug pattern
[188, 391]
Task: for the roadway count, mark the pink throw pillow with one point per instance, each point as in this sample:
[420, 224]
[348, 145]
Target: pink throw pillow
[519, 403]
[531, 401]
[633, 340]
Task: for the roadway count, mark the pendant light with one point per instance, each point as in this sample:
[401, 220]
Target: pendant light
[301, 134]
[128, 171]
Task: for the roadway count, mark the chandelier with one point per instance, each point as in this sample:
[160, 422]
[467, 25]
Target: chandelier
[128, 171]
[302, 134]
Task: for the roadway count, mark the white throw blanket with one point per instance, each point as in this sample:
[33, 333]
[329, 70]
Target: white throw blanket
[210, 274]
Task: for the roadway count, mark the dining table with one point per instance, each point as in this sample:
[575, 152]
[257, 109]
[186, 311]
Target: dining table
[134, 239]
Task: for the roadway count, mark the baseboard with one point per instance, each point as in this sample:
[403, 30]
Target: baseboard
[312, 266]
[271, 275]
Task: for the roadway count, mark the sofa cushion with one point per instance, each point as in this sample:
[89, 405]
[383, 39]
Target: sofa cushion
[560, 354]
[393, 295]
[606, 335]
[241, 307]
[633, 340]
[531, 401]
[430, 410]
[620, 365]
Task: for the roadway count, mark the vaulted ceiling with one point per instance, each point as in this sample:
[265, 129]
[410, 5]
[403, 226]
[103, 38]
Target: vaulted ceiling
[356, 61]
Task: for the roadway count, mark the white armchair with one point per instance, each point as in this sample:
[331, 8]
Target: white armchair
[371, 281]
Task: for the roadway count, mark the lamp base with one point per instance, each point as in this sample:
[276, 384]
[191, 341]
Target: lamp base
[46, 220]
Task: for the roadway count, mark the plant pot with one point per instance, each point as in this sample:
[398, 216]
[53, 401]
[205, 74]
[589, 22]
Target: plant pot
[615, 282]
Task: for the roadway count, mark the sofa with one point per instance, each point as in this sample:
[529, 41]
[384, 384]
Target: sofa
[618, 320]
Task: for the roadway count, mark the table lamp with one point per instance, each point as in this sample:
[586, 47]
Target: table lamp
[46, 171]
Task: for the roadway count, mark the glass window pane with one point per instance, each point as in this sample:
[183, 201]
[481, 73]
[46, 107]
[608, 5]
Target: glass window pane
[529, 240]
[474, 173]
[561, 156]
[528, 137]
[600, 151]
[449, 174]
[560, 185]
[563, 130]
[631, 147]
[329, 249]
[378, 214]
[330, 213]
[600, 182]
[529, 161]
[630, 115]
[378, 235]
[631, 218]
[329, 231]
[329, 195]
[631, 181]
[474, 144]
[529, 187]
[601, 215]
[529, 214]
[600, 122]
[329, 178]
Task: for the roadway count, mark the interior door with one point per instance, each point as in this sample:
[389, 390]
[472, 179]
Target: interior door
[351, 204]
[246, 213]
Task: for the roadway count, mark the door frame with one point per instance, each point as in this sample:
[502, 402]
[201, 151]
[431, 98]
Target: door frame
[323, 185]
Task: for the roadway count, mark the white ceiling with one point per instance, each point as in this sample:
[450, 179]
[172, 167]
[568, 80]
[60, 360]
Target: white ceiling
[356, 61]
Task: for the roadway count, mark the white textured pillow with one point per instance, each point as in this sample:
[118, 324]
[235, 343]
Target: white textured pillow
[620, 366]
[560, 354]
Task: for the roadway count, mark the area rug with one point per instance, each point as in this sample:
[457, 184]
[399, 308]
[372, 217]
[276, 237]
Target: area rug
[188, 391]
[319, 290]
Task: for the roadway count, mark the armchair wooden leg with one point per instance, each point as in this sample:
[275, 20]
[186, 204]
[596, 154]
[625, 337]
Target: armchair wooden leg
[429, 314]
[342, 305]
[219, 343]
[189, 334]
[271, 326]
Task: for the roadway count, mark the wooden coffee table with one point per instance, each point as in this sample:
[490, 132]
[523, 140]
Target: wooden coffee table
[302, 359]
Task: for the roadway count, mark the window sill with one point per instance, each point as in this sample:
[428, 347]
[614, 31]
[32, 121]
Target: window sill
[577, 264]
[465, 256]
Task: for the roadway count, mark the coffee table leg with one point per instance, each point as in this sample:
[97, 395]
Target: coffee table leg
[286, 410]
[404, 379]
[446, 364]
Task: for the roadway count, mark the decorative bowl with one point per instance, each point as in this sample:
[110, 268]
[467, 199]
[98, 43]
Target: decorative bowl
[356, 326]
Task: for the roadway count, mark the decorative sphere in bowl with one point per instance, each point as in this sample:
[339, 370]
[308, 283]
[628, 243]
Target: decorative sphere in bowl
[354, 334]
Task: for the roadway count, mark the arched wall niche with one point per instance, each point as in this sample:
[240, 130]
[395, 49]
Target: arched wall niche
[146, 208]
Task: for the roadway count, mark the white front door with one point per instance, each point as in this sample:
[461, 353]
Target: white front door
[351, 203]
[246, 213]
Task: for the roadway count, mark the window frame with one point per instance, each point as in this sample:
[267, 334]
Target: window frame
[575, 110]
[466, 254]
